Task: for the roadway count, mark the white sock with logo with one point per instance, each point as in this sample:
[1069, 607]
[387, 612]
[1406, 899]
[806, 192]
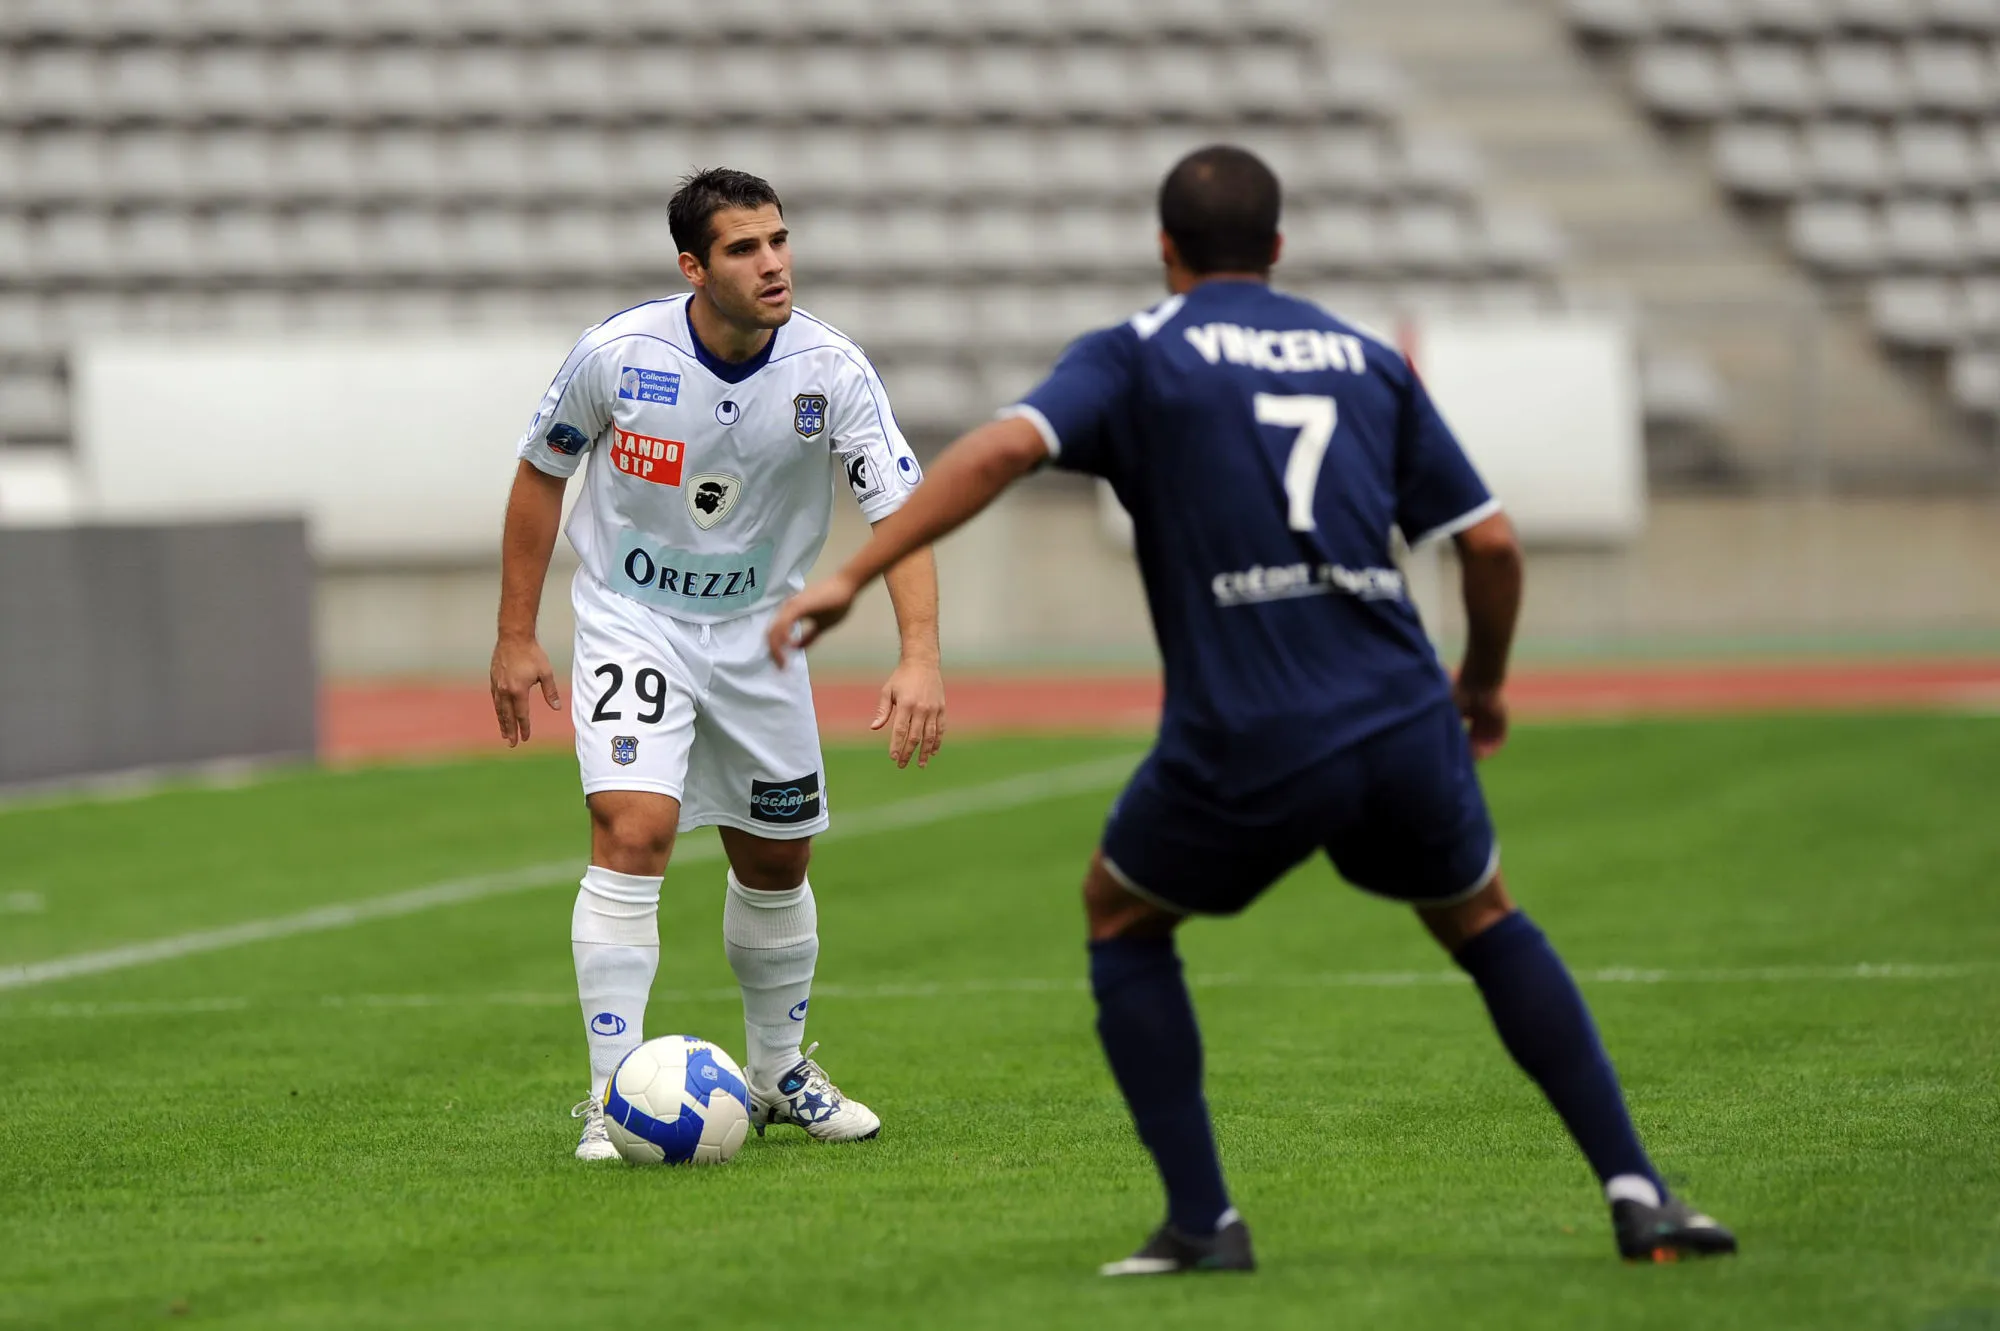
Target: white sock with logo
[772, 939]
[614, 936]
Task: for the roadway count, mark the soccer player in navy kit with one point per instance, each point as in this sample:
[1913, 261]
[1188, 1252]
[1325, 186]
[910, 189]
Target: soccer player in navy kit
[1265, 450]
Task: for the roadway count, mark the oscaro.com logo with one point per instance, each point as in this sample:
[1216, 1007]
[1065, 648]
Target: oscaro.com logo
[793, 801]
[782, 803]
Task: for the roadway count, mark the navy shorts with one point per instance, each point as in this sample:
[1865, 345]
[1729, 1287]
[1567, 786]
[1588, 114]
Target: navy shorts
[1400, 814]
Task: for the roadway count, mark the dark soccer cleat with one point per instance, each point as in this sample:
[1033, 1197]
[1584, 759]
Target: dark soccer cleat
[1667, 1232]
[1171, 1253]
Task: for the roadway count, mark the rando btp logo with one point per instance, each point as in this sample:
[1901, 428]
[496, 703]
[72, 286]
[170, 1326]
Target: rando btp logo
[646, 458]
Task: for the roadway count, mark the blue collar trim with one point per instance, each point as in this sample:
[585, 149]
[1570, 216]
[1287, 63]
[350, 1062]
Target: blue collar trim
[729, 371]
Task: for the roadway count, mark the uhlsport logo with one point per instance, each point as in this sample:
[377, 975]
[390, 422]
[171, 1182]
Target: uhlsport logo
[809, 413]
[799, 1010]
[785, 801]
[907, 468]
[624, 749]
[607, 1023]
[727, 412]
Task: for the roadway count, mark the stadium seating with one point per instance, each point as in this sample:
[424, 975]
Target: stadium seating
[1873, 124]
[256, 166]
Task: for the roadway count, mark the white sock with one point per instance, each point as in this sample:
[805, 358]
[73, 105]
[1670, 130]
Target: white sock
[772, 939]
[615, 937]
[1631, 1188]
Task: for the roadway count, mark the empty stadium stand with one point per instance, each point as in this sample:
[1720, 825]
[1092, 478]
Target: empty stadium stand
[970, 182]
[1864, 137]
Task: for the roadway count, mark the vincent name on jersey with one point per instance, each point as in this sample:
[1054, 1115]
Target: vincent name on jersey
[1291, 351]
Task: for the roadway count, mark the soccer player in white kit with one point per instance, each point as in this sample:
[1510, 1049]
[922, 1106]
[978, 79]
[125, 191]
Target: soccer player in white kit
[717, 425]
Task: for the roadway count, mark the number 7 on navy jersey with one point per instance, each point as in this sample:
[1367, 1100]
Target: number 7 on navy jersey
[1314, 418]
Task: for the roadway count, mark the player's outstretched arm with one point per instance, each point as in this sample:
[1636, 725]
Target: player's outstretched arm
[1489, 556]
[534, 511]
[967, 477]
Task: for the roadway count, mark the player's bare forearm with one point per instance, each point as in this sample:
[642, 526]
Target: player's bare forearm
[913, 591]
[912, 703]
[967, 476]
[1489, 559]
[1490, 579]
[527, 540]
[520, 666]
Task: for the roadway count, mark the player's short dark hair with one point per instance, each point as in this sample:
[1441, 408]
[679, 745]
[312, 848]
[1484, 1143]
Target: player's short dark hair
[691, 212]
[1220, 205]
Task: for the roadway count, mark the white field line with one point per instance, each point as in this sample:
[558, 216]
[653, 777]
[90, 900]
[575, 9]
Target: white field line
[1008, 793]
[921, 990]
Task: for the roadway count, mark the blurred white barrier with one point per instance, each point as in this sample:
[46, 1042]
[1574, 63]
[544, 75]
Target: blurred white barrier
[1548, 407]
[400, 447]
[393, 447]
[37, 487]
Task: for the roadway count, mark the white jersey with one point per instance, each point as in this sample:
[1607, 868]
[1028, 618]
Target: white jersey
[711, 485]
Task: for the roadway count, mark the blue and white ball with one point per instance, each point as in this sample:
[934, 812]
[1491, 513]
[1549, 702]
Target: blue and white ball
[676, 1101]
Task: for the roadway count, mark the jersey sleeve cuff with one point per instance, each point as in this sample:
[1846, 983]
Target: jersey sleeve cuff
[1472, 517]
[1034, 417]
[537, 457]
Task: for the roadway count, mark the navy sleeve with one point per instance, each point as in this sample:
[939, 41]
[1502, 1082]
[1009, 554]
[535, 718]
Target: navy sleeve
[1438, 493]
[1075, 406]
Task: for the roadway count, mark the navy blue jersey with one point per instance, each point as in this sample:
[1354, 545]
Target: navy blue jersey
[1265, 450]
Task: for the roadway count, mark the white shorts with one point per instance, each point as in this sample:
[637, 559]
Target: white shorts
[695, 711]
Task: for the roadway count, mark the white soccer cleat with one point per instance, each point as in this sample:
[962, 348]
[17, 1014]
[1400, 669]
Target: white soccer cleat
[595, 1144]
[805, 1096]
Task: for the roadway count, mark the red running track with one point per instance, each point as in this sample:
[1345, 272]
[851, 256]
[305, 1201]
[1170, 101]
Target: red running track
[376, 720]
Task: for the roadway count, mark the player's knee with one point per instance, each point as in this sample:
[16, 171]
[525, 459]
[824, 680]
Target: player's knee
[1459, 923]
[625, 833]
[763, 864]
[1111, 911]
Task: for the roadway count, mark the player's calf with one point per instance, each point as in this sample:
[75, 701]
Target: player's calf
[1544, 1023]
[1146, 1022]
[771, 938]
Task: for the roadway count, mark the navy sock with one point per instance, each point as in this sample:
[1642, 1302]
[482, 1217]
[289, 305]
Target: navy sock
[1546, 1027]
[1146, 1021]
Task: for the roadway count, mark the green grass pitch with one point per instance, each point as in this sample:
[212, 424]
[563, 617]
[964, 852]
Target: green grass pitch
[367, 1126]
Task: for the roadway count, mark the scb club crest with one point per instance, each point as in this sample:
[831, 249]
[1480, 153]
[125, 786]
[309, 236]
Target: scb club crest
[624, 749]
[809, 413]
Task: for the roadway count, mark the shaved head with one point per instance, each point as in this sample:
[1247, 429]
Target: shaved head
[1220, 206]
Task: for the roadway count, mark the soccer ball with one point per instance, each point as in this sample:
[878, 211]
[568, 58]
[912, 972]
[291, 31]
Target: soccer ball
[676, 1101]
